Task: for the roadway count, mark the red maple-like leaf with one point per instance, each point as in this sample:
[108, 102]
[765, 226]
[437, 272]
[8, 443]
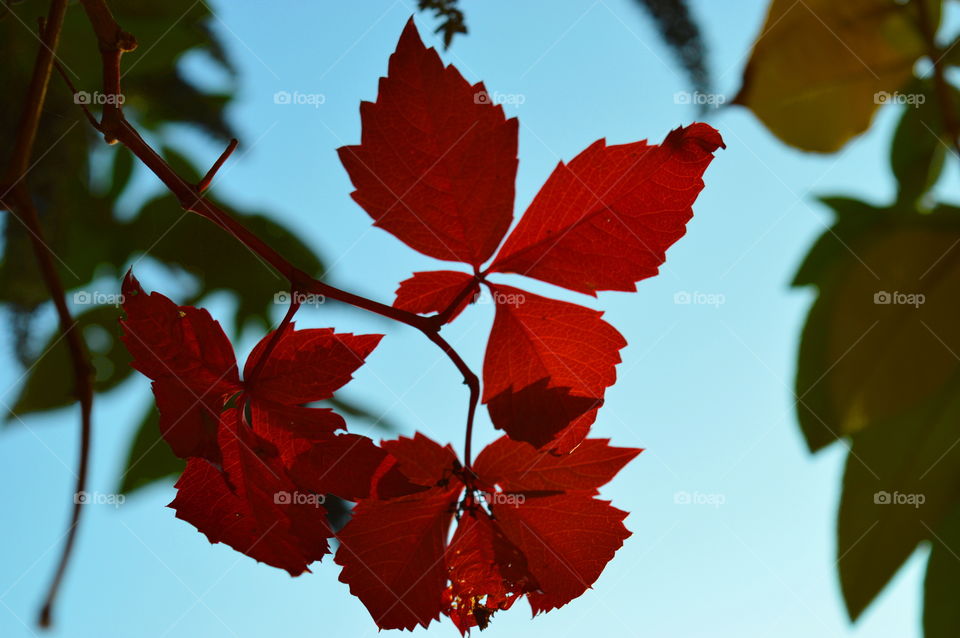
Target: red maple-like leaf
[435, 291]
[436, 161]
[259, 462]
[435, 167]
[529, 524]
[605, 220]
[547, 365]
[250, 504]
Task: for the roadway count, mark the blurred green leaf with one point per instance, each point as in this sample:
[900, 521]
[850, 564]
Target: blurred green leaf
[852, 217]
[882, 335]
[941, 614]
[917, 151]
[89, 241]
[149, 458]
[78, 224]
[122, 171]
[902, 477]
[182, 241]
[353, 410]
[49, 381]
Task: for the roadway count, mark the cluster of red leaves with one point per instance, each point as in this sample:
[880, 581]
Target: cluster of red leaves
[528, 524]
[436, 167]
[259, 463]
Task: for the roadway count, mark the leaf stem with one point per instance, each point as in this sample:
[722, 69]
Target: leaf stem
[277, 334]
[443, 317]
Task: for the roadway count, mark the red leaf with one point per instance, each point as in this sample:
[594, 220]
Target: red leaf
[434, 291]
[191, 362]
[392, 557]
[537, 414]
[422, 460]
[487, 572]
[605, 220]
[251, 505]
[238, 473]
[548, 539]
[545, 352]
[307, 365]
[344, 466]
[567, 540]
[517, 467]
[436, 166]
[294, 429]
[571, 436]
[188, 423]
[437, 161]
[167, 340]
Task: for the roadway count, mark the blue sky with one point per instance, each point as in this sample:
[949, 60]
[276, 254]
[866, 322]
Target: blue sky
[706, 389]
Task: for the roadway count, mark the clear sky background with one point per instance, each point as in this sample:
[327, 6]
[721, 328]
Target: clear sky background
[707, 390]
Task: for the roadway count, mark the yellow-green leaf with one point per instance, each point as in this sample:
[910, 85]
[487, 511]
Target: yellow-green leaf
[820, 68]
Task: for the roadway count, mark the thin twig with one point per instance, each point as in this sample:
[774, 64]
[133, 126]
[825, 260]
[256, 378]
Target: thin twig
[113, 42]
[17, 199]
[204, 183]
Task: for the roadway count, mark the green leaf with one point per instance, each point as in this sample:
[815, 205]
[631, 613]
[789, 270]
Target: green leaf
[149, 458]
[78, 225]
[122, 170]
[182, 241]
[902, 477]
[353, 410]
[852, 217]
[917, 151]
[818, 66]
[882, 335]
[941, 614]
[49, 382]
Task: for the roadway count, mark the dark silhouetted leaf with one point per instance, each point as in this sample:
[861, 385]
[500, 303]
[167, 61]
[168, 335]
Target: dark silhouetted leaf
[941, 614]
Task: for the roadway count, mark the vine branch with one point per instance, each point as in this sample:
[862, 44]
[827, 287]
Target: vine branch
[113, 42]
[17, 199]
